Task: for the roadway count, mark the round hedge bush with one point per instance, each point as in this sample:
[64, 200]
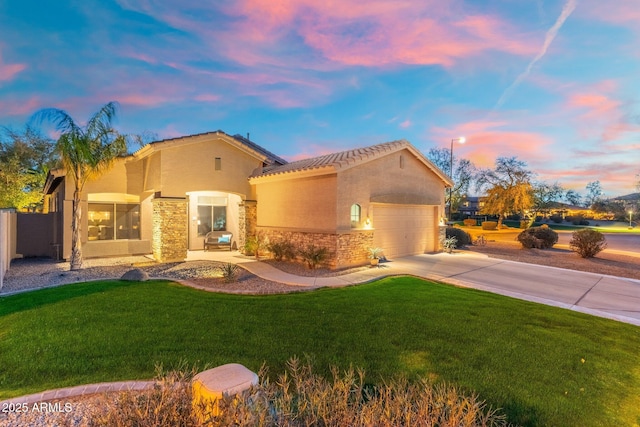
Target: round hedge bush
[462, 236]
[538, 237]
[587, 242]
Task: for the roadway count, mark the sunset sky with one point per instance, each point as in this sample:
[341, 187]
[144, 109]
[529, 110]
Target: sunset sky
[555, 83]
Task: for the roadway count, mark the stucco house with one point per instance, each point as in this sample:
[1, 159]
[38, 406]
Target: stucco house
[165, 197]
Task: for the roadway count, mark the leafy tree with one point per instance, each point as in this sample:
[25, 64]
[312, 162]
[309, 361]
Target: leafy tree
[25, 159]
[545, 197]
[463, 173]
[573, 197]
[508, 188]
[594, 194]
[85, 151]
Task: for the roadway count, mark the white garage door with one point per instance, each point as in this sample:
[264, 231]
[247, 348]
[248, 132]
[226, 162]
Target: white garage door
[404, 229]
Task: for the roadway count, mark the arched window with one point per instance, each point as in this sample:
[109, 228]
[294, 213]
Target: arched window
[355, 215]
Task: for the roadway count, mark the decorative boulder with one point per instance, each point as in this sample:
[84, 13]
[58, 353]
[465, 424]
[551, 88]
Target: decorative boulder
[226, 380]
[135, 275]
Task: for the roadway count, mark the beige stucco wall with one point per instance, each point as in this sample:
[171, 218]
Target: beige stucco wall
[124, 176]
[383, 180]
[171, 169]
[306, 204]
[190, 167]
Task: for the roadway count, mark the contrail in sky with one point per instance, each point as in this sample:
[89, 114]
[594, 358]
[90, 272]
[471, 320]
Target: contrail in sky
[551, 34]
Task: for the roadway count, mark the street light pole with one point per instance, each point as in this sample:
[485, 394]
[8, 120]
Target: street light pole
[461, 140]
[630, 217]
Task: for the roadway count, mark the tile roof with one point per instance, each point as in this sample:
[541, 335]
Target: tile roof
[238, 138]
[345, 159]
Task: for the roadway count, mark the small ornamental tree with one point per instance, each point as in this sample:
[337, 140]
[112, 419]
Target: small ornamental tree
[587, 242]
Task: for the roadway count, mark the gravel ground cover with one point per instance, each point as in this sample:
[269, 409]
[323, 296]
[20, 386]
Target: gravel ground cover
[35, 273]
[613, 264]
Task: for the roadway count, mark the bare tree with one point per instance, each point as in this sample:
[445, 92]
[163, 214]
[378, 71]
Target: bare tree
[463, 173]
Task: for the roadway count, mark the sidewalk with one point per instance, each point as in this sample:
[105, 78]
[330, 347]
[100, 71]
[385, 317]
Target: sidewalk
[596, 294]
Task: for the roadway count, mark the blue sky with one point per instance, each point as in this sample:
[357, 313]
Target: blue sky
[555, 83]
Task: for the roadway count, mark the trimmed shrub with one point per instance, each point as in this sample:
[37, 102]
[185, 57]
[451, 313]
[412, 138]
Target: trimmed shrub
[538, 237]
[470, 222]
[577, 220]
[281, 250]
[462, 237]
[556, 218]
[490, 225]
[314, 255]
[587, 242]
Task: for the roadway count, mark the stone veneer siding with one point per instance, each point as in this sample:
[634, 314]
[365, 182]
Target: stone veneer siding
[442, 235]
[345, 249]
[169, 242]
[247, 221]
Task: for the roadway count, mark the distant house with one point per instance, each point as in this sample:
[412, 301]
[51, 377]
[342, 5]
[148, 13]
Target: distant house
[471, 205]
[163, 199]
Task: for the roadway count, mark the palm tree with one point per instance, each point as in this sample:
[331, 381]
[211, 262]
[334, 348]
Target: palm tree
[85, 151]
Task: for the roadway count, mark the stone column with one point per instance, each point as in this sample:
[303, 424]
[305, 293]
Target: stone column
[170, 233]
[442, 235]
[247, 221]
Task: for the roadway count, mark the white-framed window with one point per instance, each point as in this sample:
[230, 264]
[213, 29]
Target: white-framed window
[356, 215]
[212, 214]
[114, 221]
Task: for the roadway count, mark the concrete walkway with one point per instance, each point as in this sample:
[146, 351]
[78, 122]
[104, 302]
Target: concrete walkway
[597, 294]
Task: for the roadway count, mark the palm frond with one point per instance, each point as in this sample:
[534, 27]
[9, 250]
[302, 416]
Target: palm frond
[100, 124]
[62, 121]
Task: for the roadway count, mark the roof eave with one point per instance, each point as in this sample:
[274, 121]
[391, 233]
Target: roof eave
[306, 173]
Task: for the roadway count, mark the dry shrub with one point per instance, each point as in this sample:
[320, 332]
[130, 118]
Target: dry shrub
[168, 403]
[301, 398]
[587, 242]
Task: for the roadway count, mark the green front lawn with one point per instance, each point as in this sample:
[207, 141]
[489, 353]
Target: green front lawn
[543, 365]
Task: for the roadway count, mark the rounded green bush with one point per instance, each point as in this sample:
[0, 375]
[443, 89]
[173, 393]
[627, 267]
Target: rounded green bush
[587, 242]
[462, 237]
[538, 237]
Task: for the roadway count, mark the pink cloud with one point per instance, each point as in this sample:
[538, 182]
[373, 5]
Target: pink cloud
[488, 140]
[13, 107]
[599, 110]
[207, 97]
[625, 12]
[351, 32]
[406, 124]
[9, 71]
[347, 32]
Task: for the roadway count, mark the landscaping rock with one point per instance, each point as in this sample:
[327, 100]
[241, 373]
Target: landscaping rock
[212, 385]
[135, 275]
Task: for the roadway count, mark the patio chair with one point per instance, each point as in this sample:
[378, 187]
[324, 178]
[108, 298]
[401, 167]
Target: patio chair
[218, 240]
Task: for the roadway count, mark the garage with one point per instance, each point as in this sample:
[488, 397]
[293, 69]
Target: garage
[402, 230]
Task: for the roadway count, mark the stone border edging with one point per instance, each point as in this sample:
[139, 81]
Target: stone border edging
[81, 390]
